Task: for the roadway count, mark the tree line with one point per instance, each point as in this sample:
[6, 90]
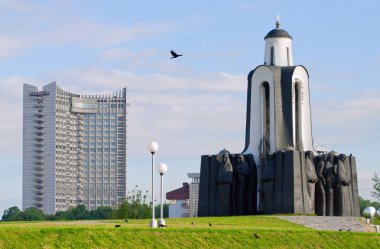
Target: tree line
[126, 210]
[132, 209]
[375, 193]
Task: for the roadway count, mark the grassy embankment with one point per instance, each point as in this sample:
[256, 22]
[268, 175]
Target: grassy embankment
[224, 232]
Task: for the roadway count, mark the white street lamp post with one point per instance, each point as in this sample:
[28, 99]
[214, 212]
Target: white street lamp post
[162, 168]
[153, 148]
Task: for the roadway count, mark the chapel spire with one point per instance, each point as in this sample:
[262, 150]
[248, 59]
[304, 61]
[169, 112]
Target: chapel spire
[278, 47]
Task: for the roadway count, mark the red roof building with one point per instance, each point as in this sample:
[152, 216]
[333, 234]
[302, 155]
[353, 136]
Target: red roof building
[183, 202]
[179, 193]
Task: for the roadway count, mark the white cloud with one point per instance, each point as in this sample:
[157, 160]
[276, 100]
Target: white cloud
[350, 124]
[365, 184]
[44, 28]
[10, 46]
[96, 34]
[345, 120]
[179, 110]
[11, 118]
[123, 54]
[11, 128]
[82, 33]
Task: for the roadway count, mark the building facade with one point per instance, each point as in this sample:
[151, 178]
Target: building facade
[192, 208]
[183, 202]
[178, 200]
[74, 149]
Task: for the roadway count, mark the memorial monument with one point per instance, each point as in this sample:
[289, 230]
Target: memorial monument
[279, 170]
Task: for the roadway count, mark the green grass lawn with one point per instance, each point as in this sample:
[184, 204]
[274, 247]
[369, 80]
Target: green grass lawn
[225, 232]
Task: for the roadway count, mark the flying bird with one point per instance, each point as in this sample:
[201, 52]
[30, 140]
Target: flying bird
[174, 54]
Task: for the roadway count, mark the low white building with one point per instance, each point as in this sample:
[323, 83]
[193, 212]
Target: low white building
[178, 201]
[183, 202]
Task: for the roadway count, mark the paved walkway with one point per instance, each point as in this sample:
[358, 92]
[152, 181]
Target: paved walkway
[329, 223]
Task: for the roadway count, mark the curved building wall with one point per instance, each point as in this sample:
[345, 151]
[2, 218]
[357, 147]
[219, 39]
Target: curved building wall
[256, 132]
[74, 149]
[301, 77]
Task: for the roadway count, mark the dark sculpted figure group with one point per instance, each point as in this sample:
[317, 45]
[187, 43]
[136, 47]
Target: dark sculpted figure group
[333, 186]
[285, 182]
[323, 184]
[235, 179]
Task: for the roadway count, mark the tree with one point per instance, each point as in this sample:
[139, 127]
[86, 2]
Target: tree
[101, 213]
[11, 214]
[60, 215]
[134, 210]
[14, 213]
[78, 213]
[363, 203]
[33, 214]
[376, 186]
[157, 211]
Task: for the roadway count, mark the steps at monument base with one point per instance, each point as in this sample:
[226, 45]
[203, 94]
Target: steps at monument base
[330, 223]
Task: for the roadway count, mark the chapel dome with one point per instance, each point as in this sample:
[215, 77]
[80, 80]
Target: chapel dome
[277, 32]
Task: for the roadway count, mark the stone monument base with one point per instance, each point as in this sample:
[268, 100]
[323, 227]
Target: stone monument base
[228, 185]
[286, 182]
[295, 182]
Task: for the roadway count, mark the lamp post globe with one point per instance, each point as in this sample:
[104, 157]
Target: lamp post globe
[162, 168]
[153, 148]
[369, 212]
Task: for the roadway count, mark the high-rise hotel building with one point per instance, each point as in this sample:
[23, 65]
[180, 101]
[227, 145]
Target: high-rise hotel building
[74, 149]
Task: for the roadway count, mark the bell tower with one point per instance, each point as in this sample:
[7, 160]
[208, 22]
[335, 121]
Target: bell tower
[278, 47]
[278, 102]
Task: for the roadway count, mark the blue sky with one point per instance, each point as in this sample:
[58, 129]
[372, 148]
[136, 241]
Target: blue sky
[196, 104]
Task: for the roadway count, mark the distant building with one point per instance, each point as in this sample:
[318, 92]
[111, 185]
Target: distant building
[192, 210]
[74, 149]
[183, 202]
[178, 200]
